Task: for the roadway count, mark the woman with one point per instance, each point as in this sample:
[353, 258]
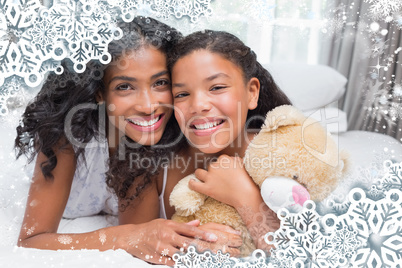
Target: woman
[73, 126]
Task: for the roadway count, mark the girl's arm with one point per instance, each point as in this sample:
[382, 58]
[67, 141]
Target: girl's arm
[228, 182]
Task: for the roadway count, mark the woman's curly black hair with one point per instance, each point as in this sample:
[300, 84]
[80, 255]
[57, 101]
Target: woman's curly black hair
[43, 124]
[232, 48]
[138, 165]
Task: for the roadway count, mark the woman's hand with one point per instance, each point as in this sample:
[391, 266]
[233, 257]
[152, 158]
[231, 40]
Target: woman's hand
[226, 181]
[156, 241]
[229, 240]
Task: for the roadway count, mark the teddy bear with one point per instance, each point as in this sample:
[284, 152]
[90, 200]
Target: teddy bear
[292, 159]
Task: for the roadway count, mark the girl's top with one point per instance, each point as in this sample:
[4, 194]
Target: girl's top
[162, 211]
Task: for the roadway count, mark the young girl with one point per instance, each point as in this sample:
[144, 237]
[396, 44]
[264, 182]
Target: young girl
[221, 96]
[73, 126]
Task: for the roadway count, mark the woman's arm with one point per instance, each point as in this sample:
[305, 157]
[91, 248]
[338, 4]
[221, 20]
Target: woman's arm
[45, 206]
[228, 182]
[46, 202]
[160, 238]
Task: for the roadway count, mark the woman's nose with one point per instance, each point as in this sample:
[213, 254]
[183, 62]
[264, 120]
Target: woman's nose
[147, 102]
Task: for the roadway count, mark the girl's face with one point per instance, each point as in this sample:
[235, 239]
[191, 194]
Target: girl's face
[138, 95]
[211, 100]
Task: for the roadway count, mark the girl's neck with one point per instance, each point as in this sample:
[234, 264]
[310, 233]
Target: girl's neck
[237, 148]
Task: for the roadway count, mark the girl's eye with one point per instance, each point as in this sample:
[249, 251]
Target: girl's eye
[162, 82]
[124, 87]
[180, 95]
[217, 88]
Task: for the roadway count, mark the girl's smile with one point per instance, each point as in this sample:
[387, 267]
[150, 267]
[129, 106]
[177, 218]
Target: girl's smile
[206, 126]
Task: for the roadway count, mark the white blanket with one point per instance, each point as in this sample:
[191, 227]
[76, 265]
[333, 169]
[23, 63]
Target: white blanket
[14, 184]
[367, 150]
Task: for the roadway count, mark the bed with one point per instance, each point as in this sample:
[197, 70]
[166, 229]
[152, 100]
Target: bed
[322, 87]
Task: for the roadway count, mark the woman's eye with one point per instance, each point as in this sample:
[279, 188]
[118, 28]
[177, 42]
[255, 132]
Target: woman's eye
[180, 95]
[162, 83]
[124, 87]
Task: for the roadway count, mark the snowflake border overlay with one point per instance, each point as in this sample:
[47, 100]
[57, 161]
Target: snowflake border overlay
[34, 39]
[367, 234]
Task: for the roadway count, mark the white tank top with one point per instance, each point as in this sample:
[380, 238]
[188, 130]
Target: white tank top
[89, 194]
[162, 211]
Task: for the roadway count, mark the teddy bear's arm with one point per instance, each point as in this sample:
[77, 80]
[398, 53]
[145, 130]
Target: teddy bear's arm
[185, 200]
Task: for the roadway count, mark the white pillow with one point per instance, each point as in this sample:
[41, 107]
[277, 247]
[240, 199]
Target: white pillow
[308, 86]
[331, 118]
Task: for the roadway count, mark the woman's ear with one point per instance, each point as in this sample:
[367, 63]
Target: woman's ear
[99, 97]
[253, 93]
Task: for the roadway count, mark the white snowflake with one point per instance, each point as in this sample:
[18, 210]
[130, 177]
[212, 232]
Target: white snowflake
[206, 259]
[393, 176]
[260, 10]
[301, 239]
[12, 95]
[65, 239]
[34, 39]
[345, 242]
[179, 8]
[43, 33]
[375, 193]
[165, 252]
[333, 25]
[395, 111]
[25, 138]
[378, 228]
[383, 9]
[381, 103]
[397, 90]
[102, 237]
[31, 230]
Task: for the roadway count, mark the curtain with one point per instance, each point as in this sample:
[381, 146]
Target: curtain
[366, 51]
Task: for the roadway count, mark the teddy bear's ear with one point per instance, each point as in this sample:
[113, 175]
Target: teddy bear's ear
[186, 201]
[285, 115]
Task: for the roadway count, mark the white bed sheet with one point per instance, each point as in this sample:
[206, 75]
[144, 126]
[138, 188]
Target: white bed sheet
[14, 185]
[367, 152]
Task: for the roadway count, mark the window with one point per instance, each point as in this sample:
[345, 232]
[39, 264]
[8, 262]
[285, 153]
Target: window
[277, 30]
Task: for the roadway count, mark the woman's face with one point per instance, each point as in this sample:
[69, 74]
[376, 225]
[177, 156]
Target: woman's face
[138, 95]
[211, 100]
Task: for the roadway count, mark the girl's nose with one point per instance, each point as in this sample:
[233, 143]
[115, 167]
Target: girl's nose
[200, 104]
[147, 102]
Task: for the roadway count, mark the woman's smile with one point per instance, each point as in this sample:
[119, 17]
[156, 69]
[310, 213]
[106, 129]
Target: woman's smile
[146, 123]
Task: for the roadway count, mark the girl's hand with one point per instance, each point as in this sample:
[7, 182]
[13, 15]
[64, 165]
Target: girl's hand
[156, 241]
[226, 181]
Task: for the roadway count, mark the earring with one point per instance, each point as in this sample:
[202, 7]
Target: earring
[100, 103]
